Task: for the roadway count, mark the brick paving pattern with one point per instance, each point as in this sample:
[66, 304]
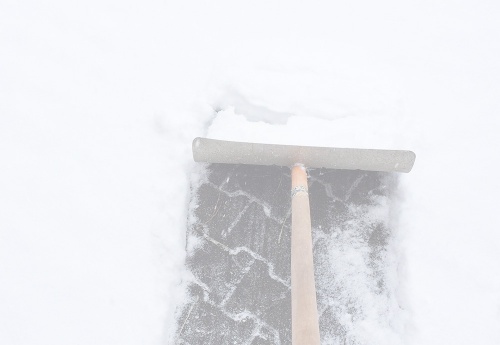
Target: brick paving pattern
[240, 291]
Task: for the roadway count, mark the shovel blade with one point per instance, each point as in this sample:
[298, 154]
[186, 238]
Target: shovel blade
[232, 152]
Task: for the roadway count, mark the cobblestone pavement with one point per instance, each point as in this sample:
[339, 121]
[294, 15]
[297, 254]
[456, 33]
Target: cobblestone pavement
[239, 254]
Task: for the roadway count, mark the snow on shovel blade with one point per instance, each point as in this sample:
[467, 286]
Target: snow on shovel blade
[232, 152]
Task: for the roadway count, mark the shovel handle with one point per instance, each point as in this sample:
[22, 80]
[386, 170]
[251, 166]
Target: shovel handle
[305, 326]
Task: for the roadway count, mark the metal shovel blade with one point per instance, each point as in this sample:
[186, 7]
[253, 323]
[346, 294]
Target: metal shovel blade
[232, 152]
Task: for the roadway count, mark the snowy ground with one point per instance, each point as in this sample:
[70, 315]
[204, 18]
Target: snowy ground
[99, 102]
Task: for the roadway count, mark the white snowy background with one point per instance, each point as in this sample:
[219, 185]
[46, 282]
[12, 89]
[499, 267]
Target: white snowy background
[99, 102]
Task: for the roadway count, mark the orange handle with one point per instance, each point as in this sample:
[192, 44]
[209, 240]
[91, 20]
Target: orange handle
[305, 326]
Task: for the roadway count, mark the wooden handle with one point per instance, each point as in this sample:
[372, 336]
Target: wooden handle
[305, 327]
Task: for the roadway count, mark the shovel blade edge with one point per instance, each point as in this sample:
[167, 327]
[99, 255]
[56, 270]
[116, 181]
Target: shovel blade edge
[233, 152]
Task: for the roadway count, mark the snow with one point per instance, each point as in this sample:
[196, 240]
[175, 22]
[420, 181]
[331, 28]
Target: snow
[99, 102]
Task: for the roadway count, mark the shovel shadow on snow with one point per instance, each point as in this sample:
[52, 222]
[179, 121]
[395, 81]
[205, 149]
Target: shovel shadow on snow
[238, 252]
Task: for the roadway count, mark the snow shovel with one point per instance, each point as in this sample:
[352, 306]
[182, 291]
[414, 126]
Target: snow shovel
[305, 326]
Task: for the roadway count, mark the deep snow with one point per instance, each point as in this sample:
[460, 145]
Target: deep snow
[99, 102]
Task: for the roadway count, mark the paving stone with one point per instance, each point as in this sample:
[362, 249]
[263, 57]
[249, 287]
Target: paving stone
[320, 203]
[264, 236]
[213, 326]
[217, 269]
[218, 210]
[279, 315]
[339, 182]
[260, 294]
[271, 184]
[219, 173]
